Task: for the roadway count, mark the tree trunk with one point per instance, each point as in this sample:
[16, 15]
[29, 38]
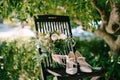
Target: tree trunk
[110, 28]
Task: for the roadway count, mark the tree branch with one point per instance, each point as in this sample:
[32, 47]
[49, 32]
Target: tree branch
[108, 38]
[77, 21]
[104, 15]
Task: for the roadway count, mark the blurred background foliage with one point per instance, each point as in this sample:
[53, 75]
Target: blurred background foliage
[20, 64]
[18, 61]
[96, 53]
[24, 10]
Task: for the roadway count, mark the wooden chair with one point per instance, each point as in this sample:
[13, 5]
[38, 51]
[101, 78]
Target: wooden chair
[2, 70]
[49, 23]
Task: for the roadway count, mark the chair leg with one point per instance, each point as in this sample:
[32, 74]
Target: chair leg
[55, 78]
[43, 77]
[95, 78]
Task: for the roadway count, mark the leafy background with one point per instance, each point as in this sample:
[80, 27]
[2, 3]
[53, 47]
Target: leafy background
[20, 64]
[18, 55]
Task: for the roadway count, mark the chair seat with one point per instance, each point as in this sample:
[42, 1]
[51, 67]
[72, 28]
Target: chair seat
[61, 74]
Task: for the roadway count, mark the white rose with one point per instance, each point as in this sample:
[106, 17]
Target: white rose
[47, 36]
[41, 35]
[62, 36]
[54, 37]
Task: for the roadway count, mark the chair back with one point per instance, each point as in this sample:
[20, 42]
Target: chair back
[49, 23]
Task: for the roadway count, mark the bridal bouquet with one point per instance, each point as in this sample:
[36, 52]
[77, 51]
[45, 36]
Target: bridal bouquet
[53, 42]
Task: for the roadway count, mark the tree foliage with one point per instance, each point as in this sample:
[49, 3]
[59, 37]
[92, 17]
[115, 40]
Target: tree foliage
[82, 12]
[23, 9]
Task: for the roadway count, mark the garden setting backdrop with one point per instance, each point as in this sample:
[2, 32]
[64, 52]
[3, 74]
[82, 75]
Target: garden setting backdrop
[17, 57]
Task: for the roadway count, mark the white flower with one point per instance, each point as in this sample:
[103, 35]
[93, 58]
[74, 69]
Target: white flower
[54, 37]
[62, 36]
[47, 35]
[41, 36]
